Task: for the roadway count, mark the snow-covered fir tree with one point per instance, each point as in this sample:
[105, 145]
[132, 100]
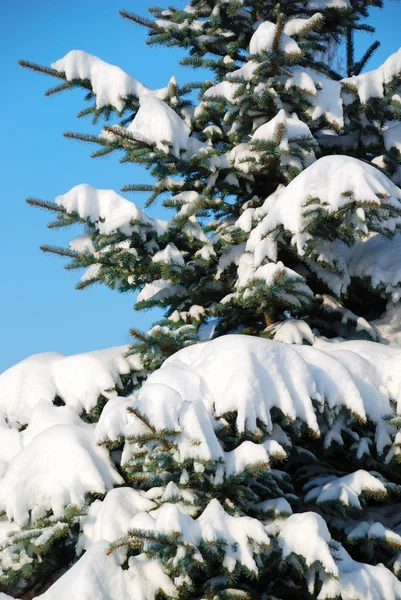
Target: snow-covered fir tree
[263, 464]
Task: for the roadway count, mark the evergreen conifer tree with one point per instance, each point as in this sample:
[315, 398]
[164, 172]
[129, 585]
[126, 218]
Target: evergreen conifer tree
[250, 466]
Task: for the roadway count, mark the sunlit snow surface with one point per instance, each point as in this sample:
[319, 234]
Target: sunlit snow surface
[244, 375]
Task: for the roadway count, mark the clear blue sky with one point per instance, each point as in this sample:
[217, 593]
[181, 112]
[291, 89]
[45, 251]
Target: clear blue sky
[39, 308]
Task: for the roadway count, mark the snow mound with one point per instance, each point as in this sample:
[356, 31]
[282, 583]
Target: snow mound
[346, 489]
[331, 184]
[56, 469]
[111, 85]
[359, 581]
[98, 575]
[314, 546]
[392, 137]
[160, 289]
[215, 524]
[263, 40]
[108, 211]
[362, 378]
[371, 83]
[325, 4]
[290, 128]
[388, 326]
[292, 331]
[78, 380]
[110, 519]
[297, 26]
[157, 123]
[326, 92]
[306, 535]
[378, 259]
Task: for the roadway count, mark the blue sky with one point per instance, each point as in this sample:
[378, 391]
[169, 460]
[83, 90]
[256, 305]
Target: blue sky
[39, 308]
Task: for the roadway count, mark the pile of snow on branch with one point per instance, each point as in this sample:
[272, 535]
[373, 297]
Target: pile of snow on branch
[259, 381]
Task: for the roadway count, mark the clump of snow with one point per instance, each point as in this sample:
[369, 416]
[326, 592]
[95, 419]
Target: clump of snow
[378, 259]
[325, 4]
[269, 274]
[110, 519]
[239, 533]
[56, 469]
[360, 581]
[326, 94]
[290, 128]
[263, 40]
[108, 211]
[170, 254]
[375, 369]
[371, 83]
[82, 244]
[346, 489]
[330, 184]
[297, 26]
[98, 575]
[10, 444]
[292, 331]
[392, 137]
[362, 378]
[388, 326]
[307, 534]
[160, 289]
[157, 123]
[78, 380]
[113, 419]
[225, 89]
[111, 85]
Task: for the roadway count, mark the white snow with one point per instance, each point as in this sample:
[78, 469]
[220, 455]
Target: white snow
[55, 461]
[293, 127]
[82, 244]
[332, 182]
[108, 211]
[160, 289]
[360, 376]
[110, 519]
[56, 469]
[388, 326]
[378, 259]
[98, 575]
[113, 419]
[375, 369]
[392, 136]
[292, 331]
[371, 83]
[111, 85]
[326, 94]
[263, 379]
[298, 25]
[169, 254]
[10, 444]
[346, 489]
[226, 89]
[78, 380]
[244, 456]
[263, 40]
[307, 534]
[359, 581]
[269, 273]
[239, 533]
[324, 4]
[157, 123]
